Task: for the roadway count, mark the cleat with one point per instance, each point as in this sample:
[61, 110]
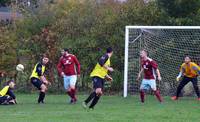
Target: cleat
[71, 101]
[42, 102]
[198, 99]
[90, 109]
[74, 100]
[84, 105]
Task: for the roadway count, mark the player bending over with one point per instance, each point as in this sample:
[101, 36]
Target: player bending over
[7, 96]
[99, 73]
[189, 71]
[149, 67]
[38, 79]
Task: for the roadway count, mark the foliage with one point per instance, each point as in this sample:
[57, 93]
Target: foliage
[87, 28]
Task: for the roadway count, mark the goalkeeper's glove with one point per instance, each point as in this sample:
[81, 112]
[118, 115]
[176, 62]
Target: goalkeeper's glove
[179, 76]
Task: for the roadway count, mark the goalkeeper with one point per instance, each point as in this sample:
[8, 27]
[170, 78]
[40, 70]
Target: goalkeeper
[190, 71]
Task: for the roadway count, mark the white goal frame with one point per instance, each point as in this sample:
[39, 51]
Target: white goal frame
[127, 28]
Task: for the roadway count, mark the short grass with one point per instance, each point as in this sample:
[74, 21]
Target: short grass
[109, 109]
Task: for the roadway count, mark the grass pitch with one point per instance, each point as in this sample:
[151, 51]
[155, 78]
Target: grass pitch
[109, 109]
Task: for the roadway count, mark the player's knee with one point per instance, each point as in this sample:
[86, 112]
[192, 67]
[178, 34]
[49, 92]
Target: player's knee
[43, 88]
[72, 87]
[99, 92]
[141, 90]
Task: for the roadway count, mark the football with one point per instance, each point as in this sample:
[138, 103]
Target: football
[20, 67]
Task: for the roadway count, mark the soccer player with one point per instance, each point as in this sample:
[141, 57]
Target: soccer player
[38, 79]
[99, 74]
[69, 68]
[190, 71]
[150, 69]
[6, 94]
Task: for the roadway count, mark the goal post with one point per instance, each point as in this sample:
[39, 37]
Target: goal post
[167, 45]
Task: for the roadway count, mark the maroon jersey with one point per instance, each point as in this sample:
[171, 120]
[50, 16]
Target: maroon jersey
[149, 67]
[68, 64]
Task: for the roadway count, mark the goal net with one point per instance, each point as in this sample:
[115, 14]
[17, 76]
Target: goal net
[165, 44]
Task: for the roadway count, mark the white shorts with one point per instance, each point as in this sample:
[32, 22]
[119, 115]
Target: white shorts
[147, 84]
[69, 81]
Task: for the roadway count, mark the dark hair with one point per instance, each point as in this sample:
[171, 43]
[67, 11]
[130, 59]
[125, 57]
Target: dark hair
[66, 49]
[8, 82]
[188, 57]
[45, 55]
[109, 50]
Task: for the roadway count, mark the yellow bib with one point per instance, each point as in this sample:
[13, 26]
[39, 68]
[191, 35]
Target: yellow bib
[99, 70]
[4, 91]
[35, 74]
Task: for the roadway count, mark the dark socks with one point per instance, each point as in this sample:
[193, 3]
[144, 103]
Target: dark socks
[157, 93]
[70, 94]
[73, 93]
[142, 94]
[92, 95]
[94, 102]
[41, 97]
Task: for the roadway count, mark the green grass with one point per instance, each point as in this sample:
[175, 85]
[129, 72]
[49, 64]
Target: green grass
[109, 109]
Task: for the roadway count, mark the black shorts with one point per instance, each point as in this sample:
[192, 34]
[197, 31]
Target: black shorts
[98, 82]
[36, 82]
[3, 99]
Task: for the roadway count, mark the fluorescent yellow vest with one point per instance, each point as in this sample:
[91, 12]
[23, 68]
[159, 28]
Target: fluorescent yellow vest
[35, 74]
[99, 70]
[4, 91]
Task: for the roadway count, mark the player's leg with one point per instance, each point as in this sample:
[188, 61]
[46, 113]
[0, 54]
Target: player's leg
[196, 88]
[73, 88]
[98, 90]
[41, 87]
[43, 90]
[67, 86]
[93, 94]
[143, 87]
[184, 81]
[3, 100]
[152, 84]
[96, 98]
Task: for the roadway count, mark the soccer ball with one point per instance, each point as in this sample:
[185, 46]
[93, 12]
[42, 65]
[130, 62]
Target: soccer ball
[20, 67]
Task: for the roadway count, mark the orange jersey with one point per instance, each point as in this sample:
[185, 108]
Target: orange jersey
[190, 70]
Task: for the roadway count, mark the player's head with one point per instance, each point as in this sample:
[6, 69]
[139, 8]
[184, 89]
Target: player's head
[109, 51]
[62, 51]
[187, 59]
[143, 53]
[11, 84]
[66, 51]
[45, 59]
